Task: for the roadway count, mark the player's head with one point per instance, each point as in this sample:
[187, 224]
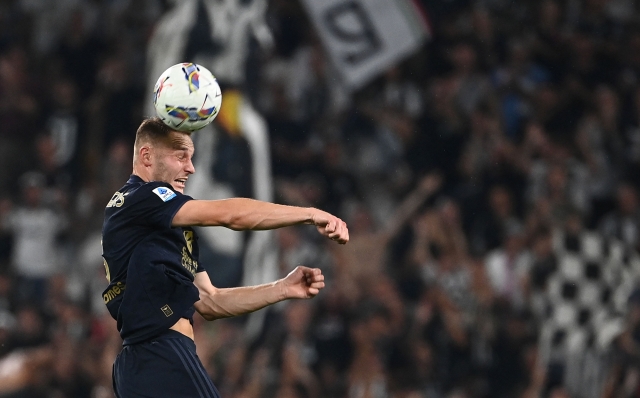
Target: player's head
[163, 154]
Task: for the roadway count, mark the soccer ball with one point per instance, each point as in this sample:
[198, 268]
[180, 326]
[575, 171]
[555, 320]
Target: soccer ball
[187, 97]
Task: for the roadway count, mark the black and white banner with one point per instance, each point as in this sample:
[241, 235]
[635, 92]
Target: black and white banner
[365, 37]
[215, 34]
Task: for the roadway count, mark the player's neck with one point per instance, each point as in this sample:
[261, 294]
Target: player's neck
[141, 172]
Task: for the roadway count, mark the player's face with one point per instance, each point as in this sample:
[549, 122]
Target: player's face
[173, 161]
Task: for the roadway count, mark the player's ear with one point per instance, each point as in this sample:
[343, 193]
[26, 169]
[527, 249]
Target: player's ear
[145, 155]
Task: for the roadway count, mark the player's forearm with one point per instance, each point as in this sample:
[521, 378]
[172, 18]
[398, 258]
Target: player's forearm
[257, 215]
[225, 303]
[242, 214]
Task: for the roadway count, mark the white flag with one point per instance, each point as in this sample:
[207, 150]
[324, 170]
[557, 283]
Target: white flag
[365, 37]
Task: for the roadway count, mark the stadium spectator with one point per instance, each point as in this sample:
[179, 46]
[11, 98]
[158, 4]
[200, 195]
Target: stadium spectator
[35, 227]
[623, 222]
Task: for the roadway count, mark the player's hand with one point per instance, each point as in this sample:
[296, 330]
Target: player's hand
[331, 226]
[303, 283]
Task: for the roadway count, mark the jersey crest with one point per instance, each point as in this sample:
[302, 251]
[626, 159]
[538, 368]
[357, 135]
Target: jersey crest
[188, 238]
[117, 200]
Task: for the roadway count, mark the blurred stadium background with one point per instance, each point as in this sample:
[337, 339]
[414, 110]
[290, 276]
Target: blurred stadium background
[485, 155]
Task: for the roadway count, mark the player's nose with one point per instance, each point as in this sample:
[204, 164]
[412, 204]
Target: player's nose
[189, 167]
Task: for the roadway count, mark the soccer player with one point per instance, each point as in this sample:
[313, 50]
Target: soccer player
[155, 281]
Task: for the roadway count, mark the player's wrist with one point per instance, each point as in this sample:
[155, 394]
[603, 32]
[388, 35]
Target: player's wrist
[280, 290]
[311, 215]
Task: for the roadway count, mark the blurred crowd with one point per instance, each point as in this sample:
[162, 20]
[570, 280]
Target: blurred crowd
[456, 171]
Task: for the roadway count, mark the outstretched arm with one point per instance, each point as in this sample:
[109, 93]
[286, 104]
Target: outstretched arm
[214, 303]
[249, 214]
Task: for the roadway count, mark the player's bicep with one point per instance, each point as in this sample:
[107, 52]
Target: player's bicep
[201, 213]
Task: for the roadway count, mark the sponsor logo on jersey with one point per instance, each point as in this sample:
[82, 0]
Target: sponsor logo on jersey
[189, 263]
[113, 292]
[164, 193]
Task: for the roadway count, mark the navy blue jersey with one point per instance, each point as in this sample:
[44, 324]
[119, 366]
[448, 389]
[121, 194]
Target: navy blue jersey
[150, 265]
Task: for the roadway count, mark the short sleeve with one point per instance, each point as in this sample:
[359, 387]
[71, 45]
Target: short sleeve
[156, 204]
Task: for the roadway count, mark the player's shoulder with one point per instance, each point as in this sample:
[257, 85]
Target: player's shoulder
[136, 184]
[138, 190]
[155, 189]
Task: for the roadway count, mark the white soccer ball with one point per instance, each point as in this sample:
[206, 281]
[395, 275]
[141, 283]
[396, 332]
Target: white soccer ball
[187, 97]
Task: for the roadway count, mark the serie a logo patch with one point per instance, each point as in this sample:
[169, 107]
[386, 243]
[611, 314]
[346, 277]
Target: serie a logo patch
[164, 193]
